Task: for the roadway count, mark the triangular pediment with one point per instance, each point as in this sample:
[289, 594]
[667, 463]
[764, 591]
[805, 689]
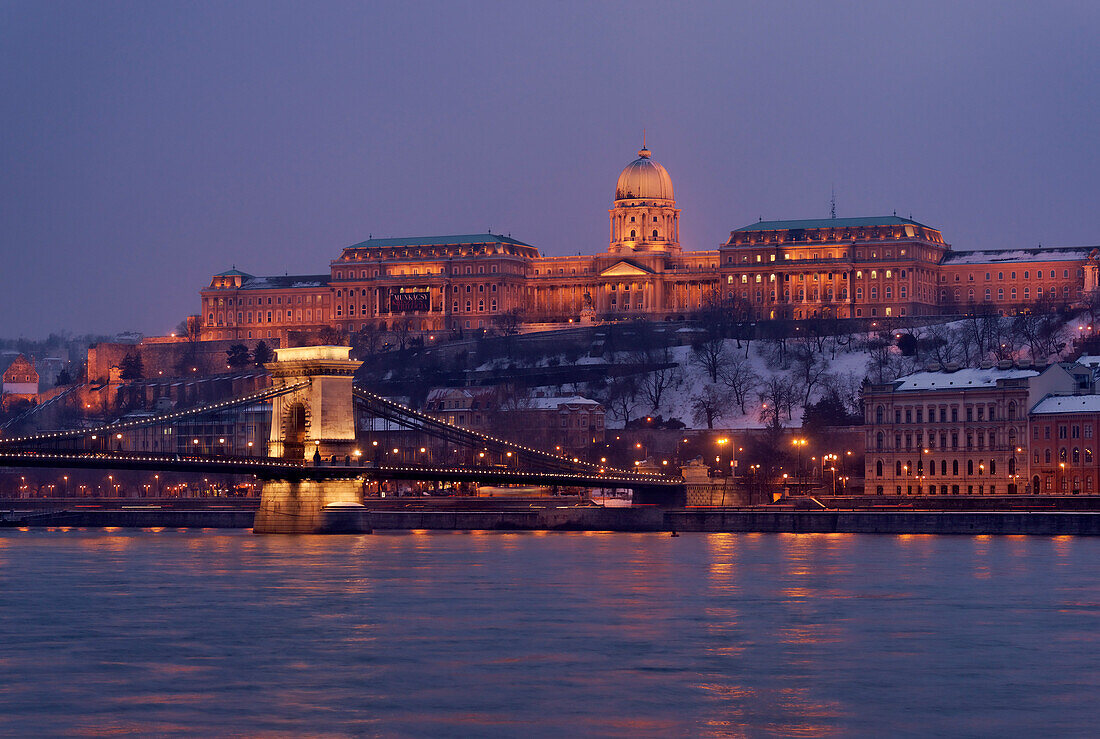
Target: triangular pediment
[625, 269]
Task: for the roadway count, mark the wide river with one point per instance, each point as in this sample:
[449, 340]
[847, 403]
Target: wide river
[517, 634]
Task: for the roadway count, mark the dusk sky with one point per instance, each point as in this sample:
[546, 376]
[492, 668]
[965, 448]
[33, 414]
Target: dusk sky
[145, 146]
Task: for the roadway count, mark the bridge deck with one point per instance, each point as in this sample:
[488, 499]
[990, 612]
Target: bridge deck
[277, 469]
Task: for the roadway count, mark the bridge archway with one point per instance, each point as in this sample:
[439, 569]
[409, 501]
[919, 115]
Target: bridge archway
[294, 432]
[318, 417]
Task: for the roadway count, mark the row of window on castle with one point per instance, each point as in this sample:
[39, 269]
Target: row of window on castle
[917, 441]
[455, 307]
[1053, 293]
[401, 271]
[889, 274]
[272, 318]
[815, 276]
[979, 467]
[1012, 275]
[278, 300]
[798, 256]
[973, 412]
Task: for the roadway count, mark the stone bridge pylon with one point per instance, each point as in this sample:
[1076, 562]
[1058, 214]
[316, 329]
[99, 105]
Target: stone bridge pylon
[317, 419]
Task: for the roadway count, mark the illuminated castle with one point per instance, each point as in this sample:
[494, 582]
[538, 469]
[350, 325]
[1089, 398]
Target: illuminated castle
[835, 267]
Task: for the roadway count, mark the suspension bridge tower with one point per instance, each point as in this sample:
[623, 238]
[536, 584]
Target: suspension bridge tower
[313, 422]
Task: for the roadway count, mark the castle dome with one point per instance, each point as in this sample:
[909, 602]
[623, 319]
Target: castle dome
[644, 179]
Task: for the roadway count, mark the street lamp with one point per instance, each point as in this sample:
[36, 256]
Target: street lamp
[721, 442]
[798, 443]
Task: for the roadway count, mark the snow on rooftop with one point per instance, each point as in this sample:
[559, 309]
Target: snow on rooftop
[1089, 360]
[963, 378]
[1068, 404]
[998, 256]
[550, 404]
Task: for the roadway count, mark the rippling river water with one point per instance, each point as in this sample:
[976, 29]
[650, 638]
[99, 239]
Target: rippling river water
[459, 634]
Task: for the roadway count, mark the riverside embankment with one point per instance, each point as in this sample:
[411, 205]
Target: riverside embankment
[1041, 523]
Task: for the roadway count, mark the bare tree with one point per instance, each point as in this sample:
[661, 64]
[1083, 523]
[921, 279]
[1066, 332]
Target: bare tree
[368, 340]
[776, 400]
[657, 381]
[1091, 301]
[881, 365]
[808, 368]
[332, 336]
[710, 354]
[738, 375]
[509, 321]
[1039, 328]
[402, 331]
[709, 404]
[944, 343]
[776, 335]
[848, 387]
[725, 315]
[622, 398]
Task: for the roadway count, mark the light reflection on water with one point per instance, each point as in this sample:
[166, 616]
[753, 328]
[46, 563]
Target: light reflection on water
[170, 632]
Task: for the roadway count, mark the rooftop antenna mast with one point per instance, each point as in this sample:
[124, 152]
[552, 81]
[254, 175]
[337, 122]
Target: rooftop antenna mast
[832, 203]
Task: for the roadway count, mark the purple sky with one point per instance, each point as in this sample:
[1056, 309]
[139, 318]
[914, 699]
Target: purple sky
[145, 146]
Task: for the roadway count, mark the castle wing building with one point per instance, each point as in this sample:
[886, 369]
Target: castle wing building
[861, 268]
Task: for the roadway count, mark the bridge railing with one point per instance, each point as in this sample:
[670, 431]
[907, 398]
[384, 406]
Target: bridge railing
[413, 419]
[154, 420]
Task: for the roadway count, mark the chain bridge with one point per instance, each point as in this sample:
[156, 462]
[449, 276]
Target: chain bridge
[313, 458]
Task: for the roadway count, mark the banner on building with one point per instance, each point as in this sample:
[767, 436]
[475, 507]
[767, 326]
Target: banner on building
[410, 301]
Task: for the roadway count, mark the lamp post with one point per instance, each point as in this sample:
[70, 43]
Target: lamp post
[798, 443]
[678, 458]
[832, 468]
[722, 442]
[1015, 470]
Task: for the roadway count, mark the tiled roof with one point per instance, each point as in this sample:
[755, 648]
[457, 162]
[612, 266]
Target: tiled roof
[831, 223]
[960, 379]
[485, 238]
[266, 283]
[999, 256]
[550, 404]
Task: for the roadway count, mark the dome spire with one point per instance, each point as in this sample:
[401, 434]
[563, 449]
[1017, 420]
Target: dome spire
[644, 153]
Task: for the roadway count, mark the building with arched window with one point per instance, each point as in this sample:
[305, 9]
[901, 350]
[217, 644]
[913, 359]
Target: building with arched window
[864, 268]
[961, 431]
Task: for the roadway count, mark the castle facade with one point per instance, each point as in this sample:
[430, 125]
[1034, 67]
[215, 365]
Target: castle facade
[836, 267]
